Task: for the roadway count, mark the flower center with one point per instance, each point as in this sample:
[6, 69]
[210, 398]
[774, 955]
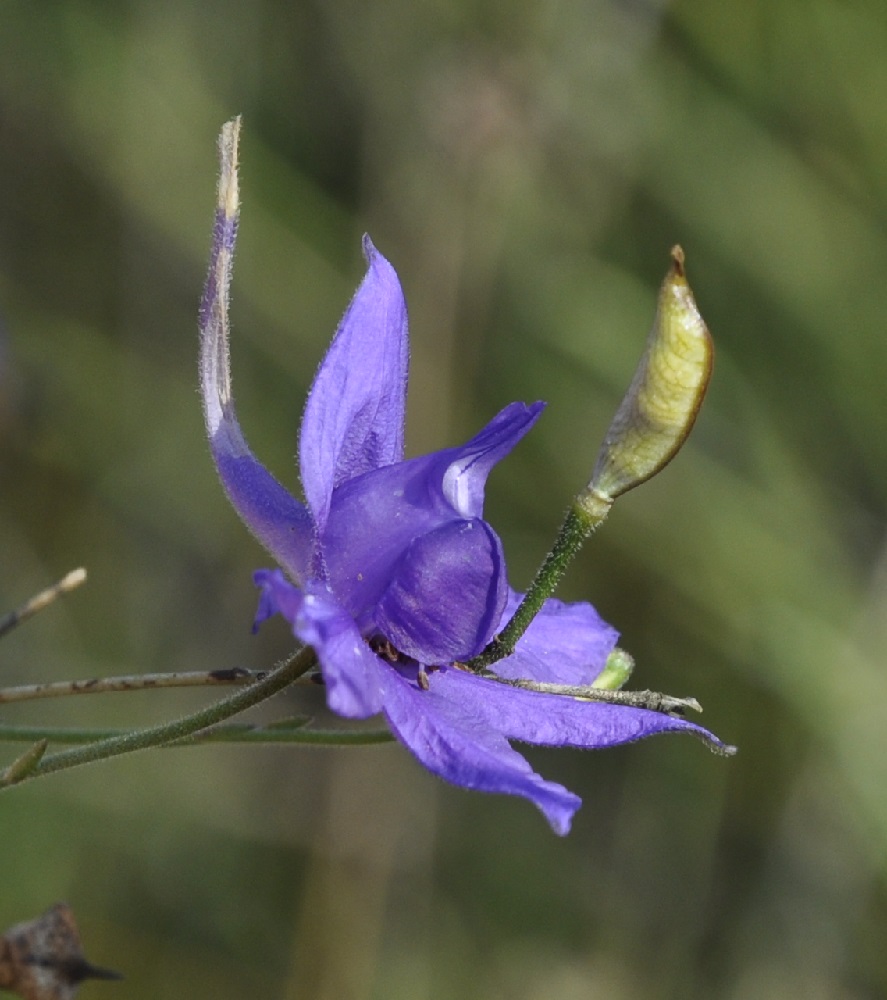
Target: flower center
[386, 649]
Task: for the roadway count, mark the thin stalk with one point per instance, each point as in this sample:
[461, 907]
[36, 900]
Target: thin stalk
[42, 600]
[130, 682]
[235, 732]
[274, 681]
[651, 700]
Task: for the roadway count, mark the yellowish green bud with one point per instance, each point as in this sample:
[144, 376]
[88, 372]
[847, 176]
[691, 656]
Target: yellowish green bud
[616, 672]
[23, 765]
[658, 411]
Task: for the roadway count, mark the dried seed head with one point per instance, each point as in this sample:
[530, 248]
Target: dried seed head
[43, 958]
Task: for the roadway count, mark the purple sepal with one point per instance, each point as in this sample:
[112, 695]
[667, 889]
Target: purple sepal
[375, 518]
[565, 644]
[354, 417]
[462, 748]
[446, 594]
[351, 670]
[460, 728]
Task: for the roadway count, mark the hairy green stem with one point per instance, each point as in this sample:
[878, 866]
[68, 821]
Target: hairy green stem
[275, 680]
[288, 731]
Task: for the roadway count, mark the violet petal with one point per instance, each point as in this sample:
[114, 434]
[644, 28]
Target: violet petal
[465, 750]
[446, 594]
[276, 518]
[354, 416]
[550, 719]
[565, 644]
[374, 518]
[459, 729]
[351, 670]
[466, 475]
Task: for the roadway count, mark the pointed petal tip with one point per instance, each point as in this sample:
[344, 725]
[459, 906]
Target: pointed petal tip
[229, 149]
[378, 261]
[230, 133]
[354, 418]
[721, 749]
[561, 824]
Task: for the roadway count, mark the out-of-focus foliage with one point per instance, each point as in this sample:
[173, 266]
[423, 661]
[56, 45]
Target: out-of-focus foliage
[526, 166]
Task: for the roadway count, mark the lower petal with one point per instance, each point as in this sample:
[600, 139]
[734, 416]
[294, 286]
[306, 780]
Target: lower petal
[465, 750]
[459, 729]
[351, 670]
[565, 644]
[552, 719]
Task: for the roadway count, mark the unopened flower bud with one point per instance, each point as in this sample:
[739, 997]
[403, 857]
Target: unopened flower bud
[617, 670]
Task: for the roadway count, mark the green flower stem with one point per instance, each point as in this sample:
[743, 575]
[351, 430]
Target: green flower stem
[273, 682]
[289, 731]
[333, 737]
[586, 514]
[653, 701]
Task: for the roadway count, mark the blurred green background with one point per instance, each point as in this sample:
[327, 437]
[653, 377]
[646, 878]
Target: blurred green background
[526, 166]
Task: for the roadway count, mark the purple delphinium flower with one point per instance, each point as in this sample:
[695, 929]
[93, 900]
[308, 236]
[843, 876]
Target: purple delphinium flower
[390, 572]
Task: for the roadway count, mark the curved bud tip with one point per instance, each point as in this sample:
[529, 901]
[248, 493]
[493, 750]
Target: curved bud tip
[677, 259]
[617, 670]
[660, 407]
